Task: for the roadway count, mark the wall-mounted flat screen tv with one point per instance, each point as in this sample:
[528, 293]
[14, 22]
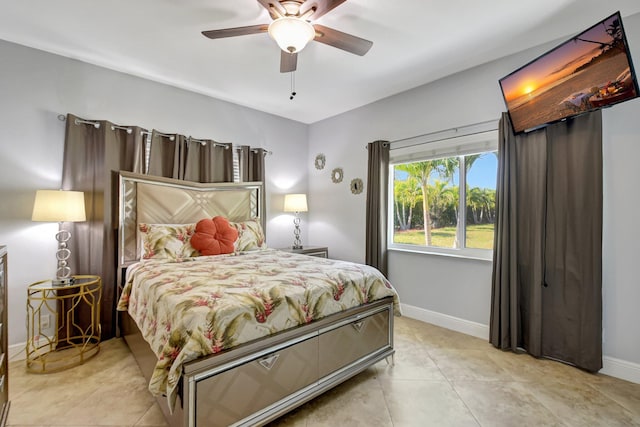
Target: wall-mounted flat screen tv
[590, 71]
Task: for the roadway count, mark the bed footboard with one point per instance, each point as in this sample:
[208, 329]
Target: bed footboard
[257, 382]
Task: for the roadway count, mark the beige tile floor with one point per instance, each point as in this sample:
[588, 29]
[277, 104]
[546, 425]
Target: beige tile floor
[440, 378]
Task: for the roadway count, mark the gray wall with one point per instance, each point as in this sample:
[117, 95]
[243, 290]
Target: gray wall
[35, 87]
[459, 287]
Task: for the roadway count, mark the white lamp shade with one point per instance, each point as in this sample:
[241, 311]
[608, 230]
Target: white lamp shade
[58, 206]
[295, 203]
[292, 34]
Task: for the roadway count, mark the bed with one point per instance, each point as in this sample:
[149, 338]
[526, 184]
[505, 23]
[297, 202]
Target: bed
[244, 337]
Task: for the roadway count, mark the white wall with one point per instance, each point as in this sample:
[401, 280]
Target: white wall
[457, 287]
[36, 87]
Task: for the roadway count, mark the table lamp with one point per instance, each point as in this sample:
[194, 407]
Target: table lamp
[296, 203]
[60, 206]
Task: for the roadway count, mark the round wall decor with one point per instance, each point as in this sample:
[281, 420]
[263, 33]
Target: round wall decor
[320, 161]
[357, 186]
[336, 175]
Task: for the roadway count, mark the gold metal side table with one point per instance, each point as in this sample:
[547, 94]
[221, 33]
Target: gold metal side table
[63, 323]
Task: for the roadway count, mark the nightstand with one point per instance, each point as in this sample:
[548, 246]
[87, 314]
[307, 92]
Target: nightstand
[63, 323]
[319, 251]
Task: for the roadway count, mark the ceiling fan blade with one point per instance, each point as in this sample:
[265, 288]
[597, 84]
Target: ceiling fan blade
[288, 61]
[342, 40]
[238, 31]
[321, 6]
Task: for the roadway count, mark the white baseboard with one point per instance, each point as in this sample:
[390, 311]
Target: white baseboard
[620, 369]
[617, 368]
[468, 327]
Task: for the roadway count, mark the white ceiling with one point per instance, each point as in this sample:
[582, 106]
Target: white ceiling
[414, 42]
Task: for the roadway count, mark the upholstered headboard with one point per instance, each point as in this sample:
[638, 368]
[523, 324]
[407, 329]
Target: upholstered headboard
[157, 200]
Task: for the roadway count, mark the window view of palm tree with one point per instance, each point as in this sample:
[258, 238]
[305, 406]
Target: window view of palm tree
[481, 200]
[427, 202]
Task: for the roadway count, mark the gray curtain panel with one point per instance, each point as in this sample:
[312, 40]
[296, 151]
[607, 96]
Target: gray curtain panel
[208, 161]
[251, 162]
[167, 155]
[519, 240]
[376, 216]
[92, 157]
[132, 151]
[572, 297]
[217, 163]
[546, 282]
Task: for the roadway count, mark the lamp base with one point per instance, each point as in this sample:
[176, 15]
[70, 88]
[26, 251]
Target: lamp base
[66, 281]
[297, 244]
[62, 255]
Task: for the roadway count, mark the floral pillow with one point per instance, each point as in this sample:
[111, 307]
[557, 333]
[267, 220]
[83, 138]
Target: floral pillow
[167, 241]
[250, 235]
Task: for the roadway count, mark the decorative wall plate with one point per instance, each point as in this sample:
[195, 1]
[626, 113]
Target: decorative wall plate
[320, 161]
[336, 175]
[357, 186]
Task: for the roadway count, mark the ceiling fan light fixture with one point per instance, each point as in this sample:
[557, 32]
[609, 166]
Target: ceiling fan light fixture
[292, 34]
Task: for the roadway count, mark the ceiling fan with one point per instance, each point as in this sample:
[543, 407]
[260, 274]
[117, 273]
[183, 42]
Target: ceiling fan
[292, 30]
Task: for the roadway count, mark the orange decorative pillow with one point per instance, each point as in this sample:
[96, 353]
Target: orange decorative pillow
[214, 236]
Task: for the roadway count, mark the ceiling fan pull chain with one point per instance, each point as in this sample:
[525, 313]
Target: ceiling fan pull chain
[293, 85]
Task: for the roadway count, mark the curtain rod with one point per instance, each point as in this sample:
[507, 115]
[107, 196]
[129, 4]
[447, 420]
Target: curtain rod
[266, 152]
[78, 121]
[87, 122]
[171, 137]
[255, 150]
[166, 135]
[454, 129]
[128, 129]
[203, 142]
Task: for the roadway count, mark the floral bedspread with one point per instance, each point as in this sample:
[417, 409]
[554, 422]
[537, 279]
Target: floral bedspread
[200, 306]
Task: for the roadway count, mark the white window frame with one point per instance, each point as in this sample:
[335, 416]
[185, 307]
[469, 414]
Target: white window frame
[436, 146]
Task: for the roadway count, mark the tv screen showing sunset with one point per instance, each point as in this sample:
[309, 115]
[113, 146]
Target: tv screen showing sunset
[589, 71]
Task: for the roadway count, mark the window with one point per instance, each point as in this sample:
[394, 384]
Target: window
[444, 195]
